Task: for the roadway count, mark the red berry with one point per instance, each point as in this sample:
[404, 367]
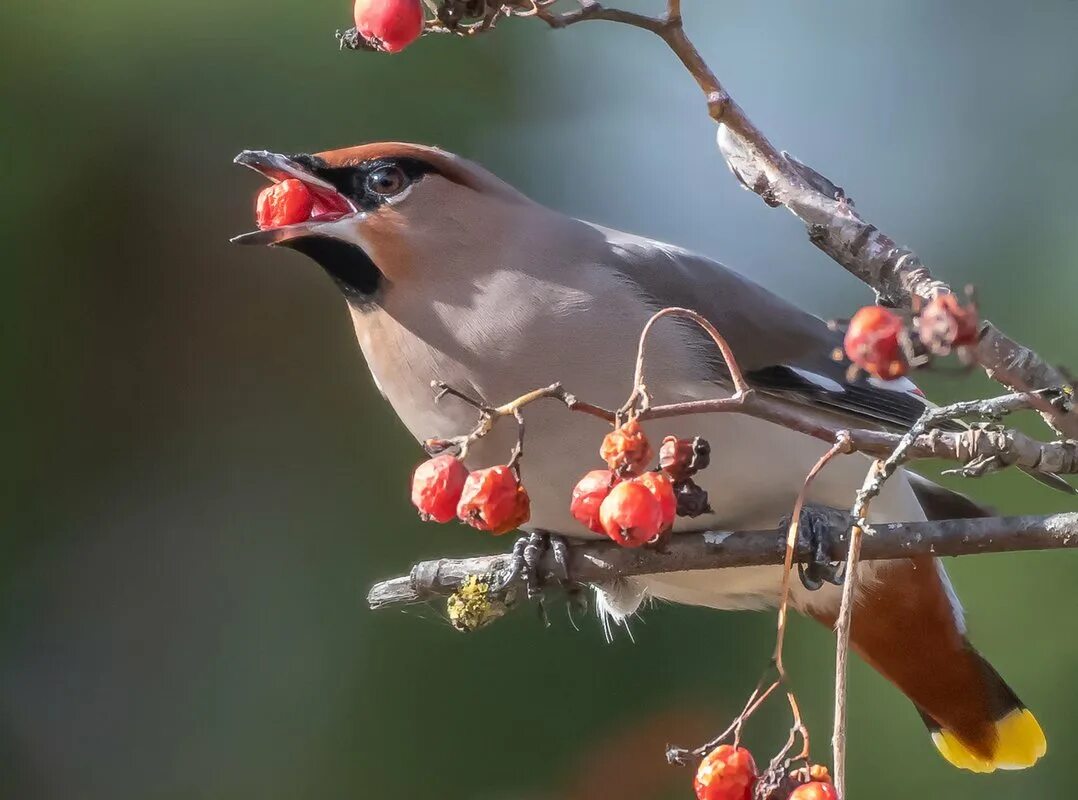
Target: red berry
[945, 324]
[660, 485]
[726, 773]
[588, 495]
[626, 450]
[630, 514]
[436, 487]
[494, 500]
[284, 203]
[873, 342]
[389, 25]
[816, 790]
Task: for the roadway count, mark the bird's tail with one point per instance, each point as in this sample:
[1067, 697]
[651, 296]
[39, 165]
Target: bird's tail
[1012, 739]
[909, 627]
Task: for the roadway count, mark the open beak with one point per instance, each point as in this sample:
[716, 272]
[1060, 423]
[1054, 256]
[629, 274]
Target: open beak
[329, 204]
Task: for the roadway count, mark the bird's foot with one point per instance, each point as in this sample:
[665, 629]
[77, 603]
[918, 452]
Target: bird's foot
[815, 530]
[525, 565]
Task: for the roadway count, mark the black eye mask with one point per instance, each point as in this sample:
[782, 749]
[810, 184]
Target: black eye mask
[355, 182]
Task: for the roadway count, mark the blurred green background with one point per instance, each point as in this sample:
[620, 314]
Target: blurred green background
[201, 481]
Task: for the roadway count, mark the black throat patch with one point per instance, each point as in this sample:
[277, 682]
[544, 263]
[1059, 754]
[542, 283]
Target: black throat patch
[350, 267]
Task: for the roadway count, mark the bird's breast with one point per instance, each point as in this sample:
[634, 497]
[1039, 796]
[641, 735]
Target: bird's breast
[403, 366]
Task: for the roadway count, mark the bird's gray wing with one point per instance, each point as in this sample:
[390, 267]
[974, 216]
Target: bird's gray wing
[782, 350]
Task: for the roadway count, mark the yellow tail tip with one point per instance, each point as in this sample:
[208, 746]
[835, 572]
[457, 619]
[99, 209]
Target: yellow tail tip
[1019, 743]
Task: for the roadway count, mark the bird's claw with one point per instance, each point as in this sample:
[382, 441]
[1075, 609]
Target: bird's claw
[525, 564]
[814, 533]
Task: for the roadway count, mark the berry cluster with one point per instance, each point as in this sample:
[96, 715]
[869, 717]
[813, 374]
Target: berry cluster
[491, 499]
[885, 345]
[632, 506]
[635, 507]
[729, 773]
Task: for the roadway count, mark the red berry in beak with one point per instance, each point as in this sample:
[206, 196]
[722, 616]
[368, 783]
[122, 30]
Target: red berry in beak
[284, 203]
[436, 487]
[588, 495]
[626, 450]
[389, 25]
[874, 342]
[726, 773]
[494, 500]
[630, 514]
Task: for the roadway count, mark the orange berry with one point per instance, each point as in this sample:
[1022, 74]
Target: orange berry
[726, 773]
[660, 485]
[815, 772]
[630, 514]
[815, 790]
[284, 203]
[389, 25]
[874, 342]
[588, 495]
[945, 324]
[494, 500]
[436, 487]
[626, 450]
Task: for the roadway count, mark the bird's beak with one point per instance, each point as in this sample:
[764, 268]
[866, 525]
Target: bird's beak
[329, 204]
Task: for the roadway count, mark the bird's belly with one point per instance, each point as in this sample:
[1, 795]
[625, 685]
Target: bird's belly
[403, 366]
[756, 472]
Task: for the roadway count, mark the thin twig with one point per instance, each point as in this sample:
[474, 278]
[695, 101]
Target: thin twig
[737, 377]
[798, 728]
[980, 450]
[877, 476]
[839, 447]
[681, 756]
[842, 652]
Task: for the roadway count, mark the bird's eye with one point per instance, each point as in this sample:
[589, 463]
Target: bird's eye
[386, 181]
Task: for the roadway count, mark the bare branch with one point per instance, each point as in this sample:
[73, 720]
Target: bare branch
[980, 450]
[600, 561]
[895, 273]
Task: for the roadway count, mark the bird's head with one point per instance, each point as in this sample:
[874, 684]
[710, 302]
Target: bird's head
[385, 214]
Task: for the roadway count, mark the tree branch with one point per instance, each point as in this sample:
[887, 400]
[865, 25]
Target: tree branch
[603, 561]
[895, 273]
[980, 450]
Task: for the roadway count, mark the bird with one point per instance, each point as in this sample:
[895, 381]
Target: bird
[452, 275]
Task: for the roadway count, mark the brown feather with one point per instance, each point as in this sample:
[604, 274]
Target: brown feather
[904, 626]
